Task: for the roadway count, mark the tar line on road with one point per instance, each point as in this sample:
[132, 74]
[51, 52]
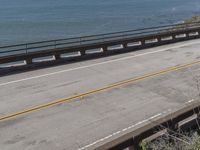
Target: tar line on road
[92, 92]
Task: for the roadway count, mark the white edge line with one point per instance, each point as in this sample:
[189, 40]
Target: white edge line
[96, 64]
[190, 101]
[130, 127]
[118, 132]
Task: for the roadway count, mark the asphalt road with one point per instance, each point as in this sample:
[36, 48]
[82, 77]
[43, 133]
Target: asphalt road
[48, 109]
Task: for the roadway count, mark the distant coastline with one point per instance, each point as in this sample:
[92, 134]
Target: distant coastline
[193, 19]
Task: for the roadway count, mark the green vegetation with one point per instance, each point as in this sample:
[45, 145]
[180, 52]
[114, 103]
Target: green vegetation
[144, 145]
[167, 142]
[193, 19]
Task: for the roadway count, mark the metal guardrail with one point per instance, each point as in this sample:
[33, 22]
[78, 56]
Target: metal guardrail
[28, 51]
[59, 43]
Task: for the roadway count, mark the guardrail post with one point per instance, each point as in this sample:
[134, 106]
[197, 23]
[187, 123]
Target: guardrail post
[55, 43]
[125, 45]
[57, 56]
[29, 60]
[142, 42]
[173, 125]
[82, 52]
[136, 144]
[173, 37]
[105, 49]
[159, 39]
[198, 32]
[80, 41]
[187, 35]
[26, 48]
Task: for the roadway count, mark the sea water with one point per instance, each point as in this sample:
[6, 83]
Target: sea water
[24, 21]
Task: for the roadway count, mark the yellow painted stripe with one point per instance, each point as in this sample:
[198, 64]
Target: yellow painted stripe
[106, 88]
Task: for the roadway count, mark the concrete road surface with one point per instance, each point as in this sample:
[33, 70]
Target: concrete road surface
[77, 106]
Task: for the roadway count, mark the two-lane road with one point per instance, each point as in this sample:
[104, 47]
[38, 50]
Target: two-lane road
[120, 91]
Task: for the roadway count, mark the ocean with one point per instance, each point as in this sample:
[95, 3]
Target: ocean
[24, 21]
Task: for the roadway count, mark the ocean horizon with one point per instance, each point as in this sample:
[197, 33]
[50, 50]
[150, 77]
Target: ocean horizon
[24, 21]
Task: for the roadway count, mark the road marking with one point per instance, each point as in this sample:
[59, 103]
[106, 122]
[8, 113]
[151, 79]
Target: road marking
[190, 101]
[92, 92]
[96, 64]
[130, 127]
[118, 132]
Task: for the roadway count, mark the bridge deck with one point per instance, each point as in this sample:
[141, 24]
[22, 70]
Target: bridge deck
[86, 121]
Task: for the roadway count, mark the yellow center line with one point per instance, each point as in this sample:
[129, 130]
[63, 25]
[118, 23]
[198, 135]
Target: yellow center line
[92, 92]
